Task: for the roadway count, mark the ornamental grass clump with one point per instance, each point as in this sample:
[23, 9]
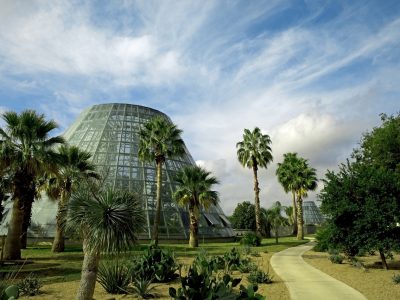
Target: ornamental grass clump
[336, 258]
[259, 276]
[114, 276]
[396, 278]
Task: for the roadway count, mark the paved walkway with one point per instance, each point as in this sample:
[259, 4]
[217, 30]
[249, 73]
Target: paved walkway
[306, 282]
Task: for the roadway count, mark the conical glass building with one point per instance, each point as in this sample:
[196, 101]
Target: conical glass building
[110, 132]
[311, 214]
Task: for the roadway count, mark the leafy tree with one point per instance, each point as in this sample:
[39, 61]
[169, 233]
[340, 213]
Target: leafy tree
[305, 180]
[286, 173]
[274, 215]
[74, 167]
[159, 139]
[26, 152]
[362, 205]
[194, 191]
[244, 216]
[254, 152]
[381, 146]
[109, 221]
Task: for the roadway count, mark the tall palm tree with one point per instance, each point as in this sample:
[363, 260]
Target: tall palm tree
[74, 167]
[286, 172]
[194, 191]
[305, 180]
[109, 221]
[159, 139]
[254, 152]
[27, 152]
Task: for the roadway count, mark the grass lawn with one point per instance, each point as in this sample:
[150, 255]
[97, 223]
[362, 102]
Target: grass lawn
[373, 282]
[60, 272]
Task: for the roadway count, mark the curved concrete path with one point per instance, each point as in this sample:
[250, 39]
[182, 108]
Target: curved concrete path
[306, 282]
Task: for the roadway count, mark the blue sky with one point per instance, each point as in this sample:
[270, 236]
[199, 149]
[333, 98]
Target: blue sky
[314, 75]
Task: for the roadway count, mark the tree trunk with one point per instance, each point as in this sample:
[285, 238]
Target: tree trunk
[27, 211]
[276, 235]
[383, 258]
[257, 199]
[194, 229]
[12, 248]
[59, 240]
[294, 213]
[300, 221]
[158, 203]
[89, 273]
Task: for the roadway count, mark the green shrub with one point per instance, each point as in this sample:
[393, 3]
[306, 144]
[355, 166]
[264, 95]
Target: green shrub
[246, 266]
[142, 288]
[9, 292]
[30, 285]
[251, 239]
[396, 278]
[249, 293]
[258, 276]
[156, 264]
[246, 250]
[232, 258]
[198, 285]
[114, 276]
[336, 258]
[322, 238]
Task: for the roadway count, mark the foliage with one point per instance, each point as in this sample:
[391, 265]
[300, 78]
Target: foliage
[142, 288]
[198, 285]
[251, 239]
[155, 264]
[362, 204]
[10, 292]
[259, 276]
[396, 278]
[114, 276]
[322, 238]
[194, 191]
[232, 258]
[254, 152]
[244, 216]
[246, 266]
[274, 215]
[249, 293]
[30, 285]
[336, 258]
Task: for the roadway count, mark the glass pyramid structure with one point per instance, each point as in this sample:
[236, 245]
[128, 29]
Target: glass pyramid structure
[311, 213]
[110, 132]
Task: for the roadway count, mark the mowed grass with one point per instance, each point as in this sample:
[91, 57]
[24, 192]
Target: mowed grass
[60, 272]
[373, 282]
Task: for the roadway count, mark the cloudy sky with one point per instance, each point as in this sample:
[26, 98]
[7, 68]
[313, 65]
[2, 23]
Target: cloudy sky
[314, 75]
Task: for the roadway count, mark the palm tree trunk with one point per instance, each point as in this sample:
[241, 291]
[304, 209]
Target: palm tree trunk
[294, 213]
[276, 235]
[383, 259]
[194, 229]
[300, 221]
[257, 199]
[27, 211]
[158, 203]
[12, 247]
[59, 240]
[89, 273]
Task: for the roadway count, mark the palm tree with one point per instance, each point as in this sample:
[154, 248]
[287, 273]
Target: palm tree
[305, 180]
[26, 151]
[194, 191]
[108, 221]
[254, 152]
[286, 172]
[274, 215]
[159, 139]
[74, 167]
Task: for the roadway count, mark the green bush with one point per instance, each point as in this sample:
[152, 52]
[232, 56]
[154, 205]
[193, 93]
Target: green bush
[258, 276]
[203, 285]
[156, 264]
[396, 278]
[322, 237]
[249, 293]
[246, 266]
[142, 288]
[9, 292]
[251, 239]
[114, 276]
[30, 285]
[232, 258]
[336, 258]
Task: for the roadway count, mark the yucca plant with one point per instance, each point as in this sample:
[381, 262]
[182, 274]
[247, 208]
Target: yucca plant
[142, 288]
[259, 276]
[114, 276]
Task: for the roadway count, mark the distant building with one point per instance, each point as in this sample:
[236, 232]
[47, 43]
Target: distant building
[110, 132]
[311, 213]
